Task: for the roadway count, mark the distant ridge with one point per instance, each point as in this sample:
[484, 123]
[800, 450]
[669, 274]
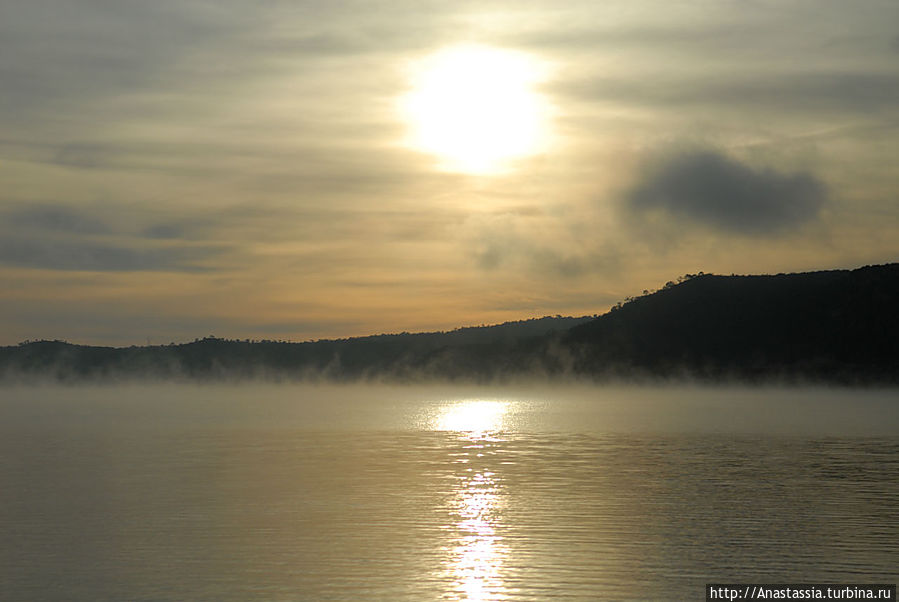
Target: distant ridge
[461, 353]
[838, 326]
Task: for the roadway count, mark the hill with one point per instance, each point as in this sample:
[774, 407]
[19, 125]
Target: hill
[838, 326]
[469, 352]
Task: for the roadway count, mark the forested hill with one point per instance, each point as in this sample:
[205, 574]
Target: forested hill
[836, 326]
[469, 352]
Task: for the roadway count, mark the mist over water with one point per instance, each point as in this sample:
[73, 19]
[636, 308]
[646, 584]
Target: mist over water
[789, 411]
[175, 492]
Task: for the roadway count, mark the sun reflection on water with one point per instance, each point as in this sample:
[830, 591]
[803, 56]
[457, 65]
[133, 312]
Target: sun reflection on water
[474, 564]
[473, 417]
[476, 561]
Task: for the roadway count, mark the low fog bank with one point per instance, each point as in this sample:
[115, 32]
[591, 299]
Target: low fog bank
[534, 408]
[557, 359]
[510, 351]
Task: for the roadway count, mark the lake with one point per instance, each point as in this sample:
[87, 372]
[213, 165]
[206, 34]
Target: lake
[295, 492]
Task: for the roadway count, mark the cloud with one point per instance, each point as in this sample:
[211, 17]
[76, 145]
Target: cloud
[188, 228]
[712, 189]
[56, 218]
[109, 321]
[103, 257]
[800, 91]
[541, 245]
[164, 231]
[537, 258]
[84, 156]
[40, 220]
[53, 52]
[58, 56]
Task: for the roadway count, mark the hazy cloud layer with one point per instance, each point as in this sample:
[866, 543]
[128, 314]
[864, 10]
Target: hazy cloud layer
[117, 323]
[93, 256]
[56, 218]
[793, 91]
[251, 155]
[54, 236]
[715, 190]
[86, 156]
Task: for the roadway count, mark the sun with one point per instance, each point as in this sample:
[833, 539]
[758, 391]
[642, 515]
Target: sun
[476, 108]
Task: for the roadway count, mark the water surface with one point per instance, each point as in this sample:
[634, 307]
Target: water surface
[345, 493]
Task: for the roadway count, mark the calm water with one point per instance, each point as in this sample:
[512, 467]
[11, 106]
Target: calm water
[347, 493]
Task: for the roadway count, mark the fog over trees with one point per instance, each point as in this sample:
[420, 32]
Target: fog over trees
[835, 326]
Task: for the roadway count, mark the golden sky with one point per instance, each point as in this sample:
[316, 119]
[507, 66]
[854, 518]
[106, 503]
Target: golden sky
[299, 170]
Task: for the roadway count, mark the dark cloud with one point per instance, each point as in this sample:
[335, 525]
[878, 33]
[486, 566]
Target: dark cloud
[894, 43]
[101, 257]
[712, 189]
[56, 218]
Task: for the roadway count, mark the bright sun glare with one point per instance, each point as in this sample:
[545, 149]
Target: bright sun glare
[476, 109]
[473, 417]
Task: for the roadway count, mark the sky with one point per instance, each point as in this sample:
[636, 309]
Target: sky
[301, 170]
